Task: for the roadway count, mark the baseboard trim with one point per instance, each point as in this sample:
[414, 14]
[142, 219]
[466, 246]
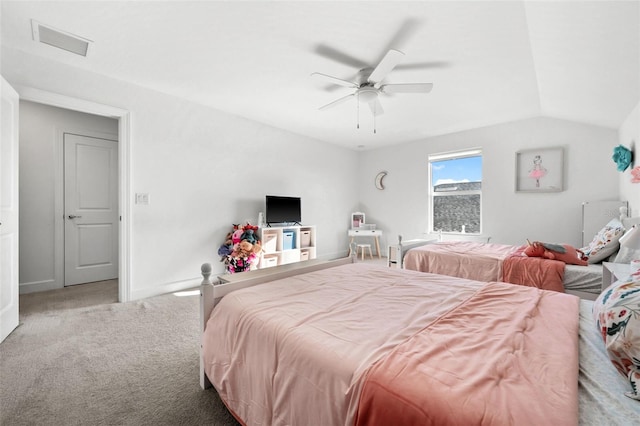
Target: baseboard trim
[37, 286]
[166, 288]
[191, 283]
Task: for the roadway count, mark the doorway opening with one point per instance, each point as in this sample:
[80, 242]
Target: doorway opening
[123, 190]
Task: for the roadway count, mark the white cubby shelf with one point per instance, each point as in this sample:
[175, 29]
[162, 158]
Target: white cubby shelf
[282, 245]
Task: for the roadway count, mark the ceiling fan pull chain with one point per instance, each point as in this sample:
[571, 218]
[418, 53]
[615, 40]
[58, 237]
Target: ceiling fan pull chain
[358, 111]
[375, 112]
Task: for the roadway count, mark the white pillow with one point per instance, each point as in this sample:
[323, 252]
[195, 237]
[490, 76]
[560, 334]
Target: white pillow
[626, 255]
[605, 242]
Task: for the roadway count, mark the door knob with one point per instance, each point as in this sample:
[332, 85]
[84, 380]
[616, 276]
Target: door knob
[73, 216]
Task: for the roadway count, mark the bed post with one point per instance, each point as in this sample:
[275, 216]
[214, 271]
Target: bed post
[206, 306]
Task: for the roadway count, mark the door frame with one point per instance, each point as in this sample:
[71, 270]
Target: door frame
[124, 170]
[9, 311]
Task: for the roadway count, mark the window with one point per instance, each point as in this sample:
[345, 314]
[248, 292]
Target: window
[455, 185]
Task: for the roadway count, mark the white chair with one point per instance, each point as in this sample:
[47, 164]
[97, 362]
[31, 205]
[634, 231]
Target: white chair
[362, 248]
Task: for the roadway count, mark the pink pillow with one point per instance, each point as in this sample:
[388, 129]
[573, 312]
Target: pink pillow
[617, 315]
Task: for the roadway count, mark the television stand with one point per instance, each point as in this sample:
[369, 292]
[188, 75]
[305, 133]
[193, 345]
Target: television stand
[283, 244]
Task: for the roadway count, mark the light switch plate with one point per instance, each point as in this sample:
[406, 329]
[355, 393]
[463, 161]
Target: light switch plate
[142, 198]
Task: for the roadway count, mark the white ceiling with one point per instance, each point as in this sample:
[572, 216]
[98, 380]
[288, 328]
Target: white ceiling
[492, 61]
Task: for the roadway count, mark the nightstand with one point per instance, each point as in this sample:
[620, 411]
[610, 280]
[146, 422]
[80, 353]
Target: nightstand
[613, 271]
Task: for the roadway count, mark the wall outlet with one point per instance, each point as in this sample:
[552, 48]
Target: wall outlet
[142, 198]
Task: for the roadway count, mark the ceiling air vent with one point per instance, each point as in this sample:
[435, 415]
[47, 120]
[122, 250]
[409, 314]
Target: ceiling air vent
[60, 39]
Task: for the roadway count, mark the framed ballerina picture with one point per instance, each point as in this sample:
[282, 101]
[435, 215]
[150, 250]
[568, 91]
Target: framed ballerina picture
[540, 170]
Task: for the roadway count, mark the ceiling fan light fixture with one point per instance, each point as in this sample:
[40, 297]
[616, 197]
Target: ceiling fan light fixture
[367, 94]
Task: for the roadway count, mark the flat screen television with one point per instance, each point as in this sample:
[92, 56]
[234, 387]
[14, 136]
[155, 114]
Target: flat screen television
[282, 209]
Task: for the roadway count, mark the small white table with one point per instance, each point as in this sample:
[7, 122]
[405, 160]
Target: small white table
[376, 234]
[613, 271]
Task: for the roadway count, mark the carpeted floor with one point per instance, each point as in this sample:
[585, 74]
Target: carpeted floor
[80, 358]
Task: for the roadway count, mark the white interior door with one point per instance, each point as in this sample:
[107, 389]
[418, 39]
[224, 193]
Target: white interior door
[9, 294]
[91, 209]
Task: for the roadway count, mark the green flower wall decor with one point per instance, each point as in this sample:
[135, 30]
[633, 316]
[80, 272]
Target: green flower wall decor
[622, 157]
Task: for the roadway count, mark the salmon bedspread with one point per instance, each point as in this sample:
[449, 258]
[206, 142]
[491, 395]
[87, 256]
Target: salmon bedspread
[495, 359]
[303, 350]
[486, 262]
[547, 274]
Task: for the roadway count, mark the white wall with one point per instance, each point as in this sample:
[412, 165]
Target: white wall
[204, 170]
[508, 217]
[629, 136]
[41, 127]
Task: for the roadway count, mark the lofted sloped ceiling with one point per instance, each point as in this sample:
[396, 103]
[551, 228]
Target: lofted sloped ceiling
[489, 62]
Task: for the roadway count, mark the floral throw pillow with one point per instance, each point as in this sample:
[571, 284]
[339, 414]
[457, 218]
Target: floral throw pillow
[605, 243]
[617, 316]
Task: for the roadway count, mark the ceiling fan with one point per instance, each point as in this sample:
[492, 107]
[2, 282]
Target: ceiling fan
[369, 85]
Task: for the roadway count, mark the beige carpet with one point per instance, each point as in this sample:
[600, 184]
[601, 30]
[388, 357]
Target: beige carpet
[79, 358]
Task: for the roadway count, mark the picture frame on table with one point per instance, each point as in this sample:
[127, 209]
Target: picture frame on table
[357, 220]
[540, 170]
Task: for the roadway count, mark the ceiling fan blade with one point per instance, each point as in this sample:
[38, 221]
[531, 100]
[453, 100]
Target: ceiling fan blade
[335, 80]
[423, 65]
[388, 63]
[336, 102]
[407, 88]
[338, 56]
[376, 107]
[406, 32]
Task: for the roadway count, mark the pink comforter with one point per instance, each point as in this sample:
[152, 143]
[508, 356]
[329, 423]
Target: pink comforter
[486, 262]
[464, 259]
[296, 351]
[499, 358]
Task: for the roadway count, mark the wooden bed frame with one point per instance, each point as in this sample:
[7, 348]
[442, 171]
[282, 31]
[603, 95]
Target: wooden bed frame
[211, 293]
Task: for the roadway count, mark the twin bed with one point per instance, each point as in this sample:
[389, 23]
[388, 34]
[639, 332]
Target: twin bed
[491, 262]
[499, 262]
[342, 343]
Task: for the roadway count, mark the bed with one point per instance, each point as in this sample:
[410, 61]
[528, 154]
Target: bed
[342, 343]
[485, 262]
[500, 262]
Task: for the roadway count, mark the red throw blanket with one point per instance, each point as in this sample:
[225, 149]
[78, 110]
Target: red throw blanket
[506, 356]
[533, 271]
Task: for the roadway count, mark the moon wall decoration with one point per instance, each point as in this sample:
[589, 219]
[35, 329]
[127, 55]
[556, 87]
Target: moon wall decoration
[379, 180]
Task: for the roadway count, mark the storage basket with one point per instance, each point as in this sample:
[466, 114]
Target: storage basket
[305, 238]
[269, 245]
[268, 262]
[288, 240]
